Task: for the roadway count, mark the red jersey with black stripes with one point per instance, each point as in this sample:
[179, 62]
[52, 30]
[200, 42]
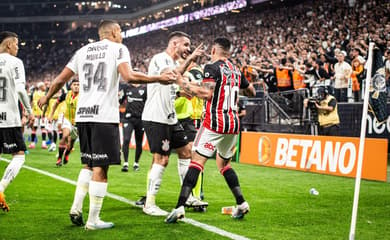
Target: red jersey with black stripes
[221, 109]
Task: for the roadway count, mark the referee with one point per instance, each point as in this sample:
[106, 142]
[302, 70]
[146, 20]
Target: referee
[133, 96]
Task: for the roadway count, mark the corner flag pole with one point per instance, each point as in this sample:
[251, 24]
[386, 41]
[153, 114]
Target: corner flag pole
[361, 143]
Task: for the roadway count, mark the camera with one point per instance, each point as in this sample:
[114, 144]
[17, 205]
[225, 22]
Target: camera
[313, 109]
[313, 101]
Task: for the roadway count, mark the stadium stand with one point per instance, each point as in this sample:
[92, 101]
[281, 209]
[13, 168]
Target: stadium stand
[300, 35]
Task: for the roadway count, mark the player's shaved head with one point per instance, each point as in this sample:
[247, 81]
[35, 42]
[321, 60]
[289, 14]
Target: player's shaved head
[6, 35]
[110, 29]
[9, 42]
[106, 26]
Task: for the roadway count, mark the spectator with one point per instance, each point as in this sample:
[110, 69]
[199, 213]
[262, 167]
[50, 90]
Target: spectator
[342, 74]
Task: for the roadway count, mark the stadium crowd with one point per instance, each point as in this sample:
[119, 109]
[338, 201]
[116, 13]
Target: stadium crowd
[306, 37]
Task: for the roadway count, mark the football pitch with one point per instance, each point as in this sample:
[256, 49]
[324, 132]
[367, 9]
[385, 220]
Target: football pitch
[281, 206]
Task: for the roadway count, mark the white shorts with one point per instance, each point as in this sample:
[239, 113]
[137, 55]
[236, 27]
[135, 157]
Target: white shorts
[40, 122]
[36, 122]
[72, 129]
[43, 122]
[207, 142]
[51, 126]
[66, 124]
[60, 119]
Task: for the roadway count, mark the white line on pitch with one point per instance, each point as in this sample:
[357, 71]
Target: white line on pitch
[125, 200]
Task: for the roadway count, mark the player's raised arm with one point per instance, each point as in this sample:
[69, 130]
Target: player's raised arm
[197, 53]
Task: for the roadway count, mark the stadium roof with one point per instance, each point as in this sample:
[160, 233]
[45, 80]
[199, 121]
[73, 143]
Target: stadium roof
[130, 10]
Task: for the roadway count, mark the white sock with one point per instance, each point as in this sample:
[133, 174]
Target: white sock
[154, 182]
[11, 171]
[121, 135]
[182, 168]
[126, 164]
[81, 190]
[97, 191]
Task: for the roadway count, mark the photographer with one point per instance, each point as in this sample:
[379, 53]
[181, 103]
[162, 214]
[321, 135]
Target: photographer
[326, 106]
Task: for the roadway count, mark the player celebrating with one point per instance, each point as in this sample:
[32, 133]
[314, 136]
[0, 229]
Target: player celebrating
[69, 131]
[159, 117]
[12, 88]
[219, 129]
[97, 65]
[186, 108]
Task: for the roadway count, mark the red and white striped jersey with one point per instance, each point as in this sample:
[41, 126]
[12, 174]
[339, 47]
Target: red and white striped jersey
[222, 108]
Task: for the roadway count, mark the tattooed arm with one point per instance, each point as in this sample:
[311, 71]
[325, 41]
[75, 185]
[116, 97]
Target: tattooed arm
[194, 89]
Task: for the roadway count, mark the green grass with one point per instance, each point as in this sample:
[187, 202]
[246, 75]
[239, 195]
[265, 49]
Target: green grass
[281, 206]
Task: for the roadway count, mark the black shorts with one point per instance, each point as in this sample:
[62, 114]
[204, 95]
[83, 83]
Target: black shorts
[189, 128]
[163, 138]
[11, 140]
[135, 123]
[99, 144]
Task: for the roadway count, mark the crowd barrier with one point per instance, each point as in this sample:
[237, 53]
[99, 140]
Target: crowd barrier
[259, 119]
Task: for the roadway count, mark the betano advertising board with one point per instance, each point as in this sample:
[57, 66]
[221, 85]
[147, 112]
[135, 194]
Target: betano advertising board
[319, 154]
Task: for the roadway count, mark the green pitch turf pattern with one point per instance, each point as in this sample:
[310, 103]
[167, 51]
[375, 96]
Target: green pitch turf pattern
[281, 206]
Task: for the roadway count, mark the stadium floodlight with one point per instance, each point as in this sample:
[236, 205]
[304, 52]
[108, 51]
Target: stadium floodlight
[201, 14]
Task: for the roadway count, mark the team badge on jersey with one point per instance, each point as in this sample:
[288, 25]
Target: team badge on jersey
[165, 145]
[141, 91]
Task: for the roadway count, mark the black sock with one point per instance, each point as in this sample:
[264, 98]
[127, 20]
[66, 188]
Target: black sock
[60, 135]
[125, 150]
[67, 152]
[232, 180]
[33, 136]
[50, 136]
[55, 137]
[43, 136]
[188, 184]
[61, 152]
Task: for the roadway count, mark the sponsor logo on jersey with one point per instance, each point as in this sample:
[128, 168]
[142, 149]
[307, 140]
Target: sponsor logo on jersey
[97, 48]
[226, 71]
[94, 156]
[3, 116]
[94, 110]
